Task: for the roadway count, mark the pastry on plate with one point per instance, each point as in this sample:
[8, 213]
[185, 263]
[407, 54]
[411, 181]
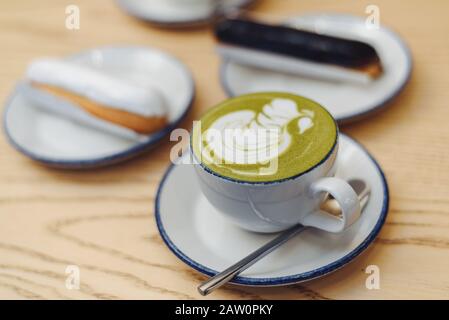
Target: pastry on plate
[105, 98]
[291, 50]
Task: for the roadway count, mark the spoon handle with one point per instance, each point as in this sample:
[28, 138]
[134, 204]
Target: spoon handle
[225, 276]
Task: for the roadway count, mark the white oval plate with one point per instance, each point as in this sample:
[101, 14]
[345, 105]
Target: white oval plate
[346, 101]
[202, 238]
[176, 13]
[59, 142]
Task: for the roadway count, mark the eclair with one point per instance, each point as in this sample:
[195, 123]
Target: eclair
[102, 96]
[290, 50]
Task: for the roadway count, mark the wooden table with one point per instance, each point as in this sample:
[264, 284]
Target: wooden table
[102, 220]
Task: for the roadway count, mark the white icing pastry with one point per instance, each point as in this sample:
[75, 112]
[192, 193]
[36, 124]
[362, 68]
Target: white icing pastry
[64, 108]
[98, 87]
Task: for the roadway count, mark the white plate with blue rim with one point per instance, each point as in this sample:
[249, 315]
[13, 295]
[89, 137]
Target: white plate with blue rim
[347, 101]
[178, 13]
[60, 142]
[203, 239]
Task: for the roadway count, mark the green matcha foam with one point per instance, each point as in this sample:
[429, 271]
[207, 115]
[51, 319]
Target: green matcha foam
[264, 137]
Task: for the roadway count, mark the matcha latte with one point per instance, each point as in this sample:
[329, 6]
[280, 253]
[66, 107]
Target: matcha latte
[264, 137]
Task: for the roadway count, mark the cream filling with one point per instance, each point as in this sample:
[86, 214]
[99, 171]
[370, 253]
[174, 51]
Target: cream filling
[291, 65]
[97, 86]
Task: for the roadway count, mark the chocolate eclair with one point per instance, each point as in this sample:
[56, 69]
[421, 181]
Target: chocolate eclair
[291, 50]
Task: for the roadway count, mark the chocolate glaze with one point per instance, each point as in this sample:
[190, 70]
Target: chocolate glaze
[295, 43]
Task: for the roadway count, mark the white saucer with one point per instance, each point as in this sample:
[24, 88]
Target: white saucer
[201, 237]
[346, 101]
[176, 13]
[59, 142]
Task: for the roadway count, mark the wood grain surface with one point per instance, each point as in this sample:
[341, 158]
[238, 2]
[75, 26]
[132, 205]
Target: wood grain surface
[102, 220]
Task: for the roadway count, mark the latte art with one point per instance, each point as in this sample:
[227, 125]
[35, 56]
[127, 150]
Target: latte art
[264, 136]
[250, 137]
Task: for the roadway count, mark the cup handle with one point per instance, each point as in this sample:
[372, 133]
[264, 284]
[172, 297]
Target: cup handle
[346, 198]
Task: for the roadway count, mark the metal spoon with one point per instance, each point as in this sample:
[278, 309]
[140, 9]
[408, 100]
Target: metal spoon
[330, 205]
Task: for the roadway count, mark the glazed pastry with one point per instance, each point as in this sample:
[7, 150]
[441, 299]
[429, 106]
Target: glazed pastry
[295, 51]
[102, 96]
[64, 108]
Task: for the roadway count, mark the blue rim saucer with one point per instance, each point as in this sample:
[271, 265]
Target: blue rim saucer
[128, 152]
[376, 96]
[208, 243]
[136, 11]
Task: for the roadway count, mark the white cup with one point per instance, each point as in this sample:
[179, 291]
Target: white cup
[278, 205]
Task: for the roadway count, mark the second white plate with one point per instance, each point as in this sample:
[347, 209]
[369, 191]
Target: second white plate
[60, 142]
